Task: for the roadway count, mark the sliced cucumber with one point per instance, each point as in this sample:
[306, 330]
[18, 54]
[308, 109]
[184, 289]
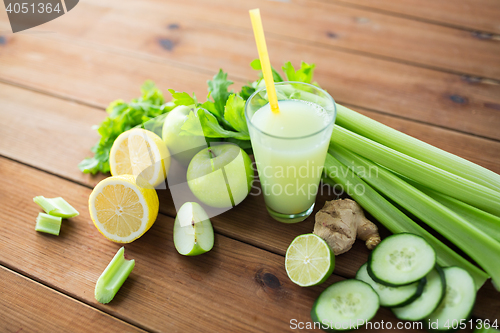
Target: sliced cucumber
[430, 299]
[392, 296]
[345, 305]
[401, 259]
[457, 303]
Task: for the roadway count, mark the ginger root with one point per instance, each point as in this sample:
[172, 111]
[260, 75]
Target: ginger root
[339, 222]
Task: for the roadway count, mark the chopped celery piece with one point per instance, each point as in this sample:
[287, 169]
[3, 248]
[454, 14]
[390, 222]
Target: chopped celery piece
[413, 147]
[474, 242]
[113, 277]
[56, 207]
[393, 219]
[426, 174]
[48, 224]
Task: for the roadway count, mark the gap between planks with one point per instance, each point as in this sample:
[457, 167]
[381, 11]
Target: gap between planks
[241, 81]
[493, 34]
[449, 86]
[297, 40]
[80, 303]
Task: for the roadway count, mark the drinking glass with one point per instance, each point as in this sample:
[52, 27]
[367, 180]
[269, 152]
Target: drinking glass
[289, 165]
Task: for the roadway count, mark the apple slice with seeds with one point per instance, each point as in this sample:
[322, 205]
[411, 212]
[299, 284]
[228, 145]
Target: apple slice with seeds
[193, 232]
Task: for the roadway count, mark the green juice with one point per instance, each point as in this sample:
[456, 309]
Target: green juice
[290, 152]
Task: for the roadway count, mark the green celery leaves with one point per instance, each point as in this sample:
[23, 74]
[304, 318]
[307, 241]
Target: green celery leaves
[303, 74]
[122, 117]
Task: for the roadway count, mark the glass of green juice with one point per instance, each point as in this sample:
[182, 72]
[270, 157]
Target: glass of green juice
[290, 146]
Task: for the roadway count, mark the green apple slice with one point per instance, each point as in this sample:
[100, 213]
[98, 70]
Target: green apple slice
[193, 232]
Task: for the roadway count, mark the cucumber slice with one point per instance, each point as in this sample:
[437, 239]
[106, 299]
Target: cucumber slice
[401, 260]
[430, 299]
[458, 300]
[392, 296]
[345, 305]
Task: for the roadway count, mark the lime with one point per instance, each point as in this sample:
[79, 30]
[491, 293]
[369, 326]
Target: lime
[309, 261]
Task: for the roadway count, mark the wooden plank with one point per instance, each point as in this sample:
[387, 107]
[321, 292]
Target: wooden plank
[93, 77]
[28, 306]
[479, 15]
[347, 28]
[26, 138]
[234, 287]
[425, 95]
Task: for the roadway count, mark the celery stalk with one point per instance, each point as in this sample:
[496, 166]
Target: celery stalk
[48, 224]
[474, 242]
[428, 175]
[487, 222]
[393, 219]
[56, 207]
[113, 277]
[413, 147]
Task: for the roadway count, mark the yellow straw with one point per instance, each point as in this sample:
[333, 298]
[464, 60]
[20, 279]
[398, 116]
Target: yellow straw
[258, 31]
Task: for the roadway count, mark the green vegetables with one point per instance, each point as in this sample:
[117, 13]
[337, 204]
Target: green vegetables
[56, 206]
[113, 277]
[48, 224]
[414, 180]
[55, 210]
[454, 197]
[457, 198]
[477, 244]
[392, 217]
[122, 117]
[413, 147]
[222, 116]
[424, 173]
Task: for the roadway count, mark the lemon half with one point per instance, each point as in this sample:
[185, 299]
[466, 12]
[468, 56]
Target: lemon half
[122, 210]
[141, 153]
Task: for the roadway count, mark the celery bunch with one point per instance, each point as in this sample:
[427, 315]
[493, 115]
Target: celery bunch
[457, 198]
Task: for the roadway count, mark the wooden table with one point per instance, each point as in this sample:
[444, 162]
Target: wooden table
[428, 68]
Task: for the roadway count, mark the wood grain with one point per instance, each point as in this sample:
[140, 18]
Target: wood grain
[28, 306]
[345, 28]
[96, 77]
[406, 69]
[234, 287]
[415, 93]
[21, 140]
[481, 15]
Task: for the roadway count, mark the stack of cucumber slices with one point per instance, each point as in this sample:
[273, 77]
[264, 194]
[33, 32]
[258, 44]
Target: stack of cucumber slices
[402, 274]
